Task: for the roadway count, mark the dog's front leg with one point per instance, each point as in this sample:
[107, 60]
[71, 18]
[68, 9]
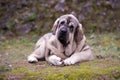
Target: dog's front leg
[54, 50]
[84, 55]
[52, 54]
[53, 59]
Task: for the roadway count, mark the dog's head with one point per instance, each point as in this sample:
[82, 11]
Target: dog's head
[67, 28]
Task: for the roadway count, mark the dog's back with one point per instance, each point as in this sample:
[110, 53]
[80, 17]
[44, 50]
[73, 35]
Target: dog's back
[42, 39]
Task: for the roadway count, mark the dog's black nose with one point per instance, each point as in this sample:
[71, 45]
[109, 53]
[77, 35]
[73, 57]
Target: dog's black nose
[64, 30]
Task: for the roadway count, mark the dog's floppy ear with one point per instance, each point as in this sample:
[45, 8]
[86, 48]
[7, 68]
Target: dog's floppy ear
[78, 33]
[54, 28]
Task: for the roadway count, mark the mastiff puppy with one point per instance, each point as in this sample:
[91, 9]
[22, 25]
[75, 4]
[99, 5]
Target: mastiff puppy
[65, 45]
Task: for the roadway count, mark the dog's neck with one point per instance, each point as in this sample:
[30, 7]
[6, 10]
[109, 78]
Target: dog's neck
[67, 49]
[70, 48]
[65, 44]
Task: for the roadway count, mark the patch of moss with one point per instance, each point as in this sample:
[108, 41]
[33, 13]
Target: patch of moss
[5, 68]
[106, 45]
[87, 70]
[2, 77]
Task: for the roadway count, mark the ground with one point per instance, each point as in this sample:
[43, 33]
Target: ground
[105, 66]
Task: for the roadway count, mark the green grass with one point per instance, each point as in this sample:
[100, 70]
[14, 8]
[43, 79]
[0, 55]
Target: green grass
[106, 65]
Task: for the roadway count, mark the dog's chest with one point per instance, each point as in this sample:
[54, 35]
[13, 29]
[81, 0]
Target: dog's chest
[69, 50]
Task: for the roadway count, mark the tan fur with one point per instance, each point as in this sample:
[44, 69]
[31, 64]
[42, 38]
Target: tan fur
[50, 48]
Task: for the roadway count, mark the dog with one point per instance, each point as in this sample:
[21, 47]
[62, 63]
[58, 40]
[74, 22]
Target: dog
[65, 45]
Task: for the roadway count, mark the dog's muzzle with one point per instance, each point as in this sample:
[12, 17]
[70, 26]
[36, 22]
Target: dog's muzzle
[63, 35]
[63, 30]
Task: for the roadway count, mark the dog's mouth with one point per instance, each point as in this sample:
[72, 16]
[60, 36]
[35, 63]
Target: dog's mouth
[63, 36]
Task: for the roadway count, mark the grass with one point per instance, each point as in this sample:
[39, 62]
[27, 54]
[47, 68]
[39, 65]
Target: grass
[106, 65]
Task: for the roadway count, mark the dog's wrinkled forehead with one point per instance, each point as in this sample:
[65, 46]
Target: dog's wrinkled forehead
[68, 19]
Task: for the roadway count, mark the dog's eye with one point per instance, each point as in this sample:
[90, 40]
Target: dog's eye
[71, 28]
[63, 22]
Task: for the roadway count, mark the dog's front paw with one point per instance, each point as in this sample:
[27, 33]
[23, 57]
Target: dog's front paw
[68, 61]
[55, 60]
[32, 59]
